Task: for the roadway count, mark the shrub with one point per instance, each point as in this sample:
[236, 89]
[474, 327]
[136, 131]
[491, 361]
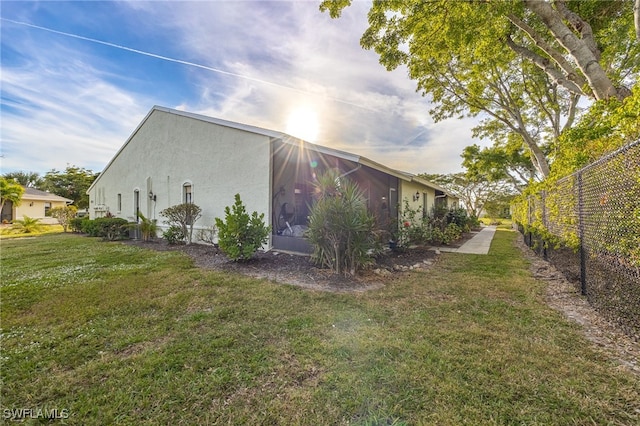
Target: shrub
[174, 235]
[437, 236]
[459, 217]
[148, 227]
[451, 233]
[27, 225]
[208, 235]
[109, 228]
[241, 235]
[340, 226]
[184, 216]
[76, 224]
[89, 227]
[64, 215]
[412, 227]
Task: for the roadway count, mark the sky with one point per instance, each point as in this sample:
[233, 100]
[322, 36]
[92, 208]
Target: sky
[78, 77]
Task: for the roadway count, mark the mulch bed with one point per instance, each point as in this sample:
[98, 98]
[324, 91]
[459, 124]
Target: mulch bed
[298, 270]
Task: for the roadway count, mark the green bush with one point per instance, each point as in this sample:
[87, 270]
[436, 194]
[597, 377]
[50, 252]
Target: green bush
[241, 235]
[413, 227]
[76, 224]
[109, 228]
[174, 235]
[459, 217]
[340, 226]
[27, 225]
[184, 216]
[89, 227]
[64, 215]
[148, 227]
[451, 233]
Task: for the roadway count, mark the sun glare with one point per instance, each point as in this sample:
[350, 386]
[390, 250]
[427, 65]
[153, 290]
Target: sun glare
[303, 123]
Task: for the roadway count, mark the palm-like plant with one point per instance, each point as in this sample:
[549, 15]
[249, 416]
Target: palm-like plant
[148, 227]
[340, 226]
[27, 225]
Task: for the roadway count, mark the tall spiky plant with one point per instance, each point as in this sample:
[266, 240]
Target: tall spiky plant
[340, 226]
[148, 227]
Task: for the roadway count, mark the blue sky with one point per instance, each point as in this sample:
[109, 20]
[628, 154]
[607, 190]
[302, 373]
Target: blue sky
[78, 77]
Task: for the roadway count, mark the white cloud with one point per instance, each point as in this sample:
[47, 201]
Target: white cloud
[289, 53]
[62, 112]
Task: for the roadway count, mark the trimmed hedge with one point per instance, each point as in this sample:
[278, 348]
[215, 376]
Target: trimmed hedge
[109, 228]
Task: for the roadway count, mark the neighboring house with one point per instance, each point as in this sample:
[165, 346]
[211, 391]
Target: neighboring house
[174, 157]
[35, 204]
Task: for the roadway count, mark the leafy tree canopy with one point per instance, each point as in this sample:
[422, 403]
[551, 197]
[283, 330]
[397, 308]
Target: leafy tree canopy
[473, 192]
[506, 162]
[521, 65]
[26, 179]
[606, 127]
[10, 191]
[575, 42]
[71, 183]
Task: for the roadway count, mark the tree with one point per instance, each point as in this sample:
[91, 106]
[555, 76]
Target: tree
[10, 191]
[552, 56]
[636, 18]
[64, 215]
[26, 179]
[183, 216]
[499, 163]
[71, 183]
[606, 127]
[565, 39]
[474, 193]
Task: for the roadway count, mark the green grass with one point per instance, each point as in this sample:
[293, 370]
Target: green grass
[8, 231]
[120, 335]
[503, 223]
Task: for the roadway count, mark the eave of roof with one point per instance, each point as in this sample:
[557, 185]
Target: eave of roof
[36, 194]
[274, 135]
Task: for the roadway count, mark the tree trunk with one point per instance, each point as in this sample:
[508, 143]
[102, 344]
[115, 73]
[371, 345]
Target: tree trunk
[636, 18]
[587, 62]
[538, 158]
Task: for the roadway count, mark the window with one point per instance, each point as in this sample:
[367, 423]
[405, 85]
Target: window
[187, 194]
[47, 209]
[425, 206]
[136, 204]
[119, 203]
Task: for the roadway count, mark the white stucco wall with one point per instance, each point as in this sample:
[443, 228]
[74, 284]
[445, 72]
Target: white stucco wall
[409, 189]
[36, 209]
[169, 150]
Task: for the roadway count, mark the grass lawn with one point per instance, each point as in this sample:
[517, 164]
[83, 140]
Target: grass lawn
[114, 334]
[7, 231]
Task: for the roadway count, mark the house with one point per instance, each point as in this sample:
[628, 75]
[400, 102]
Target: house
[174, 157]
[35, 204]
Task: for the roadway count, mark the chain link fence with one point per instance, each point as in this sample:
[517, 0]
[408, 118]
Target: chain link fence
[588, 226]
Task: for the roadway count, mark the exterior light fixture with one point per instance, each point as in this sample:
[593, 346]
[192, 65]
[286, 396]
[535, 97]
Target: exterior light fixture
[416, 196]
[152, 196]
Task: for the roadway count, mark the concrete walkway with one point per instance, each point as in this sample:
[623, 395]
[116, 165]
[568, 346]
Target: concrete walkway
[479, 244]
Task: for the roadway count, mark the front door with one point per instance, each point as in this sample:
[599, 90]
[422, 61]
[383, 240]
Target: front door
[7, 212]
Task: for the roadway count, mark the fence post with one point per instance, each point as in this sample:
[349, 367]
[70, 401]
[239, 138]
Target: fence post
[583, 265]
[529, 215]
[543, 197]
